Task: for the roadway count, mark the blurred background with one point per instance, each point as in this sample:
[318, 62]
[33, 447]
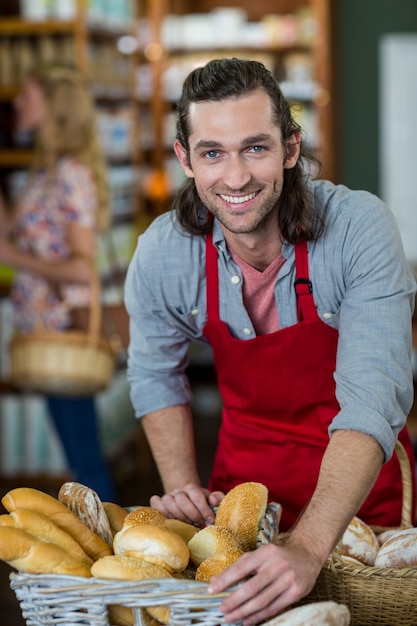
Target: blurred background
[349, 68]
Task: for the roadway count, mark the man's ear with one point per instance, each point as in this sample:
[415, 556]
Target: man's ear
[182, 157]
[292, 148]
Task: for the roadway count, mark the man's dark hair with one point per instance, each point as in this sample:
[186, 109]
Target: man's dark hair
[233, 78]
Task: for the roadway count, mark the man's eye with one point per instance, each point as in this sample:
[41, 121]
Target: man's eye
[212, 154]
[258, 149]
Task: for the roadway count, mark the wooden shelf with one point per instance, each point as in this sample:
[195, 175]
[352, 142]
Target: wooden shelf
[20, 27]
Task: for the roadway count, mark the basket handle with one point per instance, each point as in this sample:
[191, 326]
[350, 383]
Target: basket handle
[407, 504]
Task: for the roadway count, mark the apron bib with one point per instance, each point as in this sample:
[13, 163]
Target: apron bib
[278, 393]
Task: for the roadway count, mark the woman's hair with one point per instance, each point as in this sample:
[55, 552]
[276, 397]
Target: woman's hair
[235, 78]
[70, 128]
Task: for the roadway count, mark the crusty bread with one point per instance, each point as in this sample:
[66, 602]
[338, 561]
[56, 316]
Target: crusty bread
[213, 542]
[325, 613]
[45, 529]
[360, 542]
[399, 551]
[86, 504]
[36, 500]
[116, 515]
[386, 534]
[211, 567]
[155, 544]
[242, 510]
[144, 515]
[184, 530]
[27, 553]
[122, 567]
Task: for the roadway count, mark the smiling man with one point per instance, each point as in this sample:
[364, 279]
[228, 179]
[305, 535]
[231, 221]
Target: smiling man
[303, 292]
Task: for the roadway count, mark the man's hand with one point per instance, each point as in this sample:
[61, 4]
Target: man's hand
[191, 504]
[272, 577]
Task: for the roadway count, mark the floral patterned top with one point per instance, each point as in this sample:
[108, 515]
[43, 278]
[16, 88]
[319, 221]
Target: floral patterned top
[46, 206]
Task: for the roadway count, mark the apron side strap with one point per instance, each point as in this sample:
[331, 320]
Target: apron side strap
[306, 308]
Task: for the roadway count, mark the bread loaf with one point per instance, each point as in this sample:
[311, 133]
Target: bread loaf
[360, 542]
[29, 554]
[86, 505]
[325, 613]
[214, 542]
[116, 515]
[184, 530]
[45, 529]
[242, 510]
[399, 551]
[154, 544]
[35, 500]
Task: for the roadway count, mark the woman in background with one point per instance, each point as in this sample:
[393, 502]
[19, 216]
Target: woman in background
[49, 238]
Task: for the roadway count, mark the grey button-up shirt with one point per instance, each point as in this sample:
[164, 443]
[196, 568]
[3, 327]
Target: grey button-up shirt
[362, 286]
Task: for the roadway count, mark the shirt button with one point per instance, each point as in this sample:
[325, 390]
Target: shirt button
[195, 312]
[235, 280]
[327, 316]
[247, 331]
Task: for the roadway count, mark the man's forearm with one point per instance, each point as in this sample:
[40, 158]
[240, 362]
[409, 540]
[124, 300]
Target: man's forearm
[170, 433]
[350, 466]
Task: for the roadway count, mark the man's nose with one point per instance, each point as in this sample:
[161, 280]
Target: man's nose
[237, 173]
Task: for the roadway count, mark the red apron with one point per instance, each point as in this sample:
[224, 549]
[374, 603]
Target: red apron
[278, 394]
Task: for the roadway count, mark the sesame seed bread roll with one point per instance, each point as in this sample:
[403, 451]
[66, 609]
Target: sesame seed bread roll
[27, 553]
[154, 544]
[45, 529]
[213, 542]
[184, 530]
[360, 542]
[144, 515]
[242, 510]
[86, 504]
[116, 515]
[325, 613]
[212, 566]
[29, 498]
[399, 551]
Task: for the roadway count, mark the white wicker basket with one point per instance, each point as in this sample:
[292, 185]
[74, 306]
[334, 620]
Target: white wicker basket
[52, 600]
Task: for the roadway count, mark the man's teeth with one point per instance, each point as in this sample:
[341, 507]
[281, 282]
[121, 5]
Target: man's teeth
[238, 199]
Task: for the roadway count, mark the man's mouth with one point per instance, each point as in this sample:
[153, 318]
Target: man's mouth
[238, 199]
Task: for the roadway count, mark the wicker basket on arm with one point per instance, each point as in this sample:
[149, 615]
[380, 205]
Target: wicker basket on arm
[70, 362]
[375, 596]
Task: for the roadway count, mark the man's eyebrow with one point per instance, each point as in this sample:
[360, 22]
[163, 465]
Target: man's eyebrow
[248, 141]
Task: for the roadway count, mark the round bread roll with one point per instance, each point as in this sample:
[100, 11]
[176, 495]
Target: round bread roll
[154, 544]
[242, 510]
[211, 567]
[360, 542]
[325, 613]
[144, 515]
[86, 504]
[213, 542]
[386, 534]
[115, 514]
[122, 567]
[399, 551]
[184, 530]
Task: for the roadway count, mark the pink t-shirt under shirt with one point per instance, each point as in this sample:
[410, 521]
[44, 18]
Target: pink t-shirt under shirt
[258, 294]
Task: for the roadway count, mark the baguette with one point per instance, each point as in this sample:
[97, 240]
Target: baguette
[29, 554]
[29, 498]
[45, 529]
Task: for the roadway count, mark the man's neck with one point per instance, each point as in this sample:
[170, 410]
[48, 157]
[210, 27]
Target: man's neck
[257, 251]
